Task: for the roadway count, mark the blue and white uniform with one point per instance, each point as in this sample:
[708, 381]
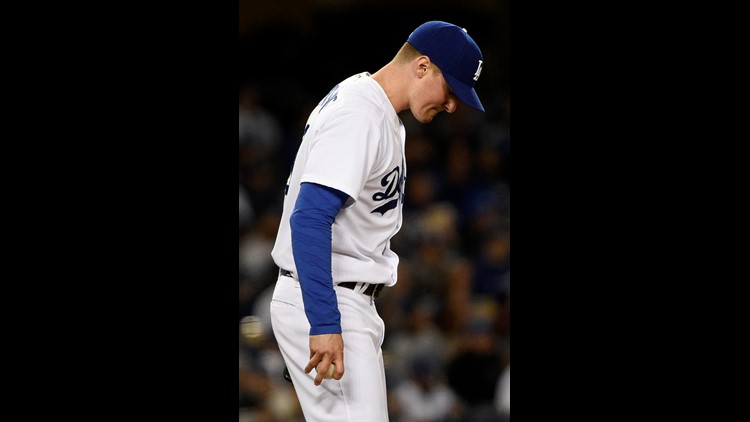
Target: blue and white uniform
[352, 149]
[354, 142]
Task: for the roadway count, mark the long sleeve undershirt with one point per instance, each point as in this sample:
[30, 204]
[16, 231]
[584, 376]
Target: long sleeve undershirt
[311, 221]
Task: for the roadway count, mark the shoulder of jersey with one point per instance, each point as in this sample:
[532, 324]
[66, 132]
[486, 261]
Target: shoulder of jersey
[358, 92]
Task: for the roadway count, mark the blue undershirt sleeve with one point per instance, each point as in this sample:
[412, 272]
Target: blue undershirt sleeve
[311, 221]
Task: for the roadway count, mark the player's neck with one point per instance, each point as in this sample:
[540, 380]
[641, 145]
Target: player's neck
[392, 79]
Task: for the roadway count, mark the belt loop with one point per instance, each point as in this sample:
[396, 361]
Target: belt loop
[361, 287]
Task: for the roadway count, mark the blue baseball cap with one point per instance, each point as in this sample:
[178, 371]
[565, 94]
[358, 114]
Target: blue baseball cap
[456, 54]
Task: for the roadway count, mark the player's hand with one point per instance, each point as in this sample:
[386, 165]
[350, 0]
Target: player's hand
[325, 349]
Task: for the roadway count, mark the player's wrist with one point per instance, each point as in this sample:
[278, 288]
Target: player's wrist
[325, 329]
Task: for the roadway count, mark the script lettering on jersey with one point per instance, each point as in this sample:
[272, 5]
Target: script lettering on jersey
[332, 96]
[392, 183]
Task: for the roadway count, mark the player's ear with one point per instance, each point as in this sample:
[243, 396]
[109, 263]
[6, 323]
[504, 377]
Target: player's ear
[423, 65]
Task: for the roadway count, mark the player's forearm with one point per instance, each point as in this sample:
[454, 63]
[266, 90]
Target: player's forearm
[311, 222]
[313, 262]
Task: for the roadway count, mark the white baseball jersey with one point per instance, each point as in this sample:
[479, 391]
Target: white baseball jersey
[353, 142]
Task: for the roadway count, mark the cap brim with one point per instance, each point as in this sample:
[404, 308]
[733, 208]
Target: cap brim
[465, 93]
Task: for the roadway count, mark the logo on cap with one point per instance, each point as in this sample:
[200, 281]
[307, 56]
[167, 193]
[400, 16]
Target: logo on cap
[479, 71]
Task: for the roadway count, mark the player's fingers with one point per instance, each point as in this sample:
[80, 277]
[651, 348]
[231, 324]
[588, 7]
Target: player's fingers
[339, 369]
[321, 369]
[310, 366]
[319, 372]
[314, 361]
[318, 378]
[338, 359]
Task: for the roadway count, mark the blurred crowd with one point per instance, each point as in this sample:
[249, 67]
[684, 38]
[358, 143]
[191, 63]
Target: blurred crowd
[447, 320]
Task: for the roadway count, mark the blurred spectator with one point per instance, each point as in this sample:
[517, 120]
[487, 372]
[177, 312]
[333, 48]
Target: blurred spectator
[425, 397]
[260, 139]
[421, 339]
[421, 150]
[430, 242]
[259, 129]
[502, 394]
[474, 371]
[495, 135]
[395, 304]
[256, 268]
[458, 165]
[493, 266]
[246, 210]
[255, 249]
[264, 395]
[457, 298]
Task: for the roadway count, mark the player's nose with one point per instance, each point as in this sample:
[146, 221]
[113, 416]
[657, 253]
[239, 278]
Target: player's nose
[451, 104]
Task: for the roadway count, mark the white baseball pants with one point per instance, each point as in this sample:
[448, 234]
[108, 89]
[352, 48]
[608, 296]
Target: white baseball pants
[360, 395]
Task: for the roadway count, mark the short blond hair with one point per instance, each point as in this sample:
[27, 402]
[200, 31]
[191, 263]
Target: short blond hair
[408, 53]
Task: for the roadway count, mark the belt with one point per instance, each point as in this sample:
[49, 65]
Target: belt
[373, 289]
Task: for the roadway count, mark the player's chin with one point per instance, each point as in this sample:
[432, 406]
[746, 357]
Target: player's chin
[427, 116]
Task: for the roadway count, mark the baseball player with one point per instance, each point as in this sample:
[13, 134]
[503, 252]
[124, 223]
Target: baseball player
[343, 204]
